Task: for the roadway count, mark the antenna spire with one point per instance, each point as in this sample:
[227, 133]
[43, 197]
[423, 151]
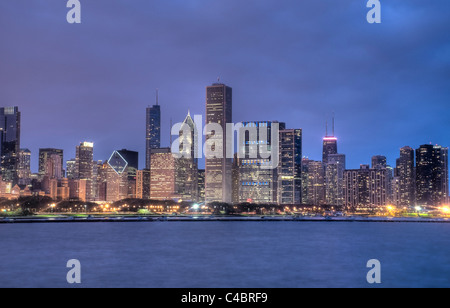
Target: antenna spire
[333, 124]
[326, 128]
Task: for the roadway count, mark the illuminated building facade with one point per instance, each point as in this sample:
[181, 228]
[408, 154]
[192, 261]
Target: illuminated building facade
[329, 147]
[365, 188]
[84, 165]
[405, 173]
[432, 175]
[162, 175]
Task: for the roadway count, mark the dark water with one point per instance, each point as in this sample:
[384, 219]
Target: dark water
[225, 254]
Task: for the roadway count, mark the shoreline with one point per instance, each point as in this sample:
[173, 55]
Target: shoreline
[111, 219]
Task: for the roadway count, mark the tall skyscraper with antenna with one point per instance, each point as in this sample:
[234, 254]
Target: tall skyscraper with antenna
[153, 130]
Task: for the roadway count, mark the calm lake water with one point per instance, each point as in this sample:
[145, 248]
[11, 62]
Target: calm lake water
[225, 254]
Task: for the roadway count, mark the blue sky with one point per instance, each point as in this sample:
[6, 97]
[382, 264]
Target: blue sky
[292, 61]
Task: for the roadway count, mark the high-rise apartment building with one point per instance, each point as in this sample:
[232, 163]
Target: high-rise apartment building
[431, 175]
[405, 173]
[218, 177]
[365, 188]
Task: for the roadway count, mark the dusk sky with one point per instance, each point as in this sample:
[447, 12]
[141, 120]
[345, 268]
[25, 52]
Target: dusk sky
[295, 61]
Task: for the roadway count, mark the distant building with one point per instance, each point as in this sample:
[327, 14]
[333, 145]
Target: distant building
[289, 168]
[405, 173]
[257, 184]
[334, 179]
[379, 162]
[84, 165]
[153, 131]
[78, 189]
[48, 154]
[132, 159]
[163, 175]
[9, 143]
[315, 172]
[218, 176]
[143, 188]
[24, 170]
[365, 188]
[432, 175]
[201, 185]
[71, 169]
[187, 163]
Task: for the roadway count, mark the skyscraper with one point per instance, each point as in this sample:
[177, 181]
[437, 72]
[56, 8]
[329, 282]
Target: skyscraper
[132, 159]
[431, 175]
[334, 179]
[84, 166]
[329, 145]
[163, 175]
[218, 177]
[153, 130]
[257, 184]
[406, 187]
[315, 182]
[24, 171]
[187, 163]
[114, 180]
[10, 143]
[290, 167]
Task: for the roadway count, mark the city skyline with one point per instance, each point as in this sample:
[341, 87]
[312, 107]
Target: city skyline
[388, 88]
[165, 142]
